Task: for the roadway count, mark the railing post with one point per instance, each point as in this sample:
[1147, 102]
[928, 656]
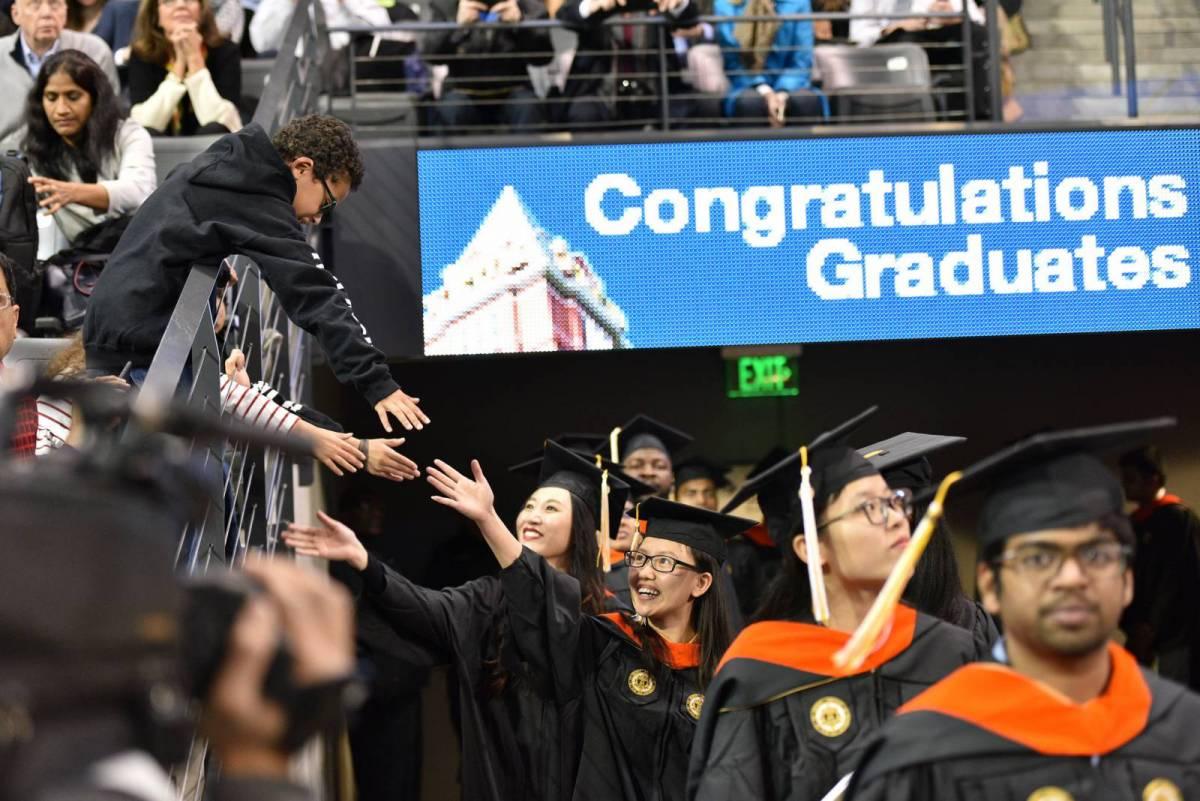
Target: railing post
[968, 51]
[664, 85]
[1131, 89]
[1112, 54]
[992, 24]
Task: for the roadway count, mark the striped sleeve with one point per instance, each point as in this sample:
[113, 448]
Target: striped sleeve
[53, 424]
[253, 408]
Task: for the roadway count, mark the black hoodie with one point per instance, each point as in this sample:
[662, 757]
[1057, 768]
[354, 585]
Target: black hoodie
[235, 198]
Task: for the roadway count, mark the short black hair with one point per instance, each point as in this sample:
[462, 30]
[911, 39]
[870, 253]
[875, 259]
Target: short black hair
[1147, 461]
[327, 141]
[9, 269]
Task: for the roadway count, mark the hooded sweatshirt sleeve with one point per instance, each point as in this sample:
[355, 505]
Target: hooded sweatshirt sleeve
[315, 300]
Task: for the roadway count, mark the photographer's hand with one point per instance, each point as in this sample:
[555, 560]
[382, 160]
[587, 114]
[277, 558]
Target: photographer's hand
[244, 729]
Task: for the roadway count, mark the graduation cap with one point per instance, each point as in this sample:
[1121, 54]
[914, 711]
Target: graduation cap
[696, 467]
[785, 472]
[692, 526]
[1053, 480]
[602, 493]
[637, 489]
[644, 432]
[903, 461]
[1048, 480]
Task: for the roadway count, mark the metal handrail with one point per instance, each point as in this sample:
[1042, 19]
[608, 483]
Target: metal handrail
[1117, 20]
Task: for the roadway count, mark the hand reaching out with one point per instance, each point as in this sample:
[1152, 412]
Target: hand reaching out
[385, 462]
[404, 408]
[235, 367]
[333, 541]
[338, 452]
[471, 499]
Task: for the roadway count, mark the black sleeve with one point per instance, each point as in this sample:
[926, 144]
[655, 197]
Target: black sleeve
[546, 621]
[224, 64]
[441, 43]
[534, 42]
[144, 79]
[568, 13]
[455, 620]
[688, 17]
[728, 757]
[315, 300]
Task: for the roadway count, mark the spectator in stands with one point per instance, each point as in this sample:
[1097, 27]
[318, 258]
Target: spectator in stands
[769, 64]
[24, 435]
[603, 89]
[941, 39]
[1161, 625]
[184, 77]
[90, 164]
[270, 20]
[111, 20]
[488, 84]
[41, 34]
[247, 194]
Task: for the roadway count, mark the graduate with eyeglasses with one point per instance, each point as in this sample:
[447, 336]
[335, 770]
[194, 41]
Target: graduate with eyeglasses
[637, 679]
[782, 719]
[1063, 713]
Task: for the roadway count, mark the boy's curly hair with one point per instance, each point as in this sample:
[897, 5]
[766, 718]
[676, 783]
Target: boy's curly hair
[325, 140]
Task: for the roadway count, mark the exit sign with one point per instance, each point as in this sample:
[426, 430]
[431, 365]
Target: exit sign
[762, 376]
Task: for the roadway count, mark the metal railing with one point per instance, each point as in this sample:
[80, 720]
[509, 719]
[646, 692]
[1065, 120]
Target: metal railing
[1117, 18]
[952, 79]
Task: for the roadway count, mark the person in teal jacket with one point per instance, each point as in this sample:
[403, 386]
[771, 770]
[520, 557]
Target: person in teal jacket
[769, 64]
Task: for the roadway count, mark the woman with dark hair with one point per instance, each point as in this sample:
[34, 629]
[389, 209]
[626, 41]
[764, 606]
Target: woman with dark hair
[784, 720]
[516, 744]
[89, 163]
[638, 680]
[184, 77]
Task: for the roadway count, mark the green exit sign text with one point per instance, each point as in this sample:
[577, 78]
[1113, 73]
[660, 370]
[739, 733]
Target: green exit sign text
[761, 376]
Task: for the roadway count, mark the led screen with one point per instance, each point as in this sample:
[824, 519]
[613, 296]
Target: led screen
[808, 240]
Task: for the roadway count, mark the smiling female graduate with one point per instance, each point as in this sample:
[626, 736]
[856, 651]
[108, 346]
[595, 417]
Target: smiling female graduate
[1064, 713]
[782, 720]
[638, 679]
[516, 743]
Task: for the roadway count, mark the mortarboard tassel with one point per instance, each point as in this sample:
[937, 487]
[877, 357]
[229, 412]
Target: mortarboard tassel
[605, 522]
[816, 578]
[859, 647]
[614, 449]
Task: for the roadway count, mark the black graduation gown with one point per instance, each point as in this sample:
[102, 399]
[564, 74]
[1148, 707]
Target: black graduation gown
[780, 721]
[988, 733]
[616, 580]
[639, 716]
[515, 743]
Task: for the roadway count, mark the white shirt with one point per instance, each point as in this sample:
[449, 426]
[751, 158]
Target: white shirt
[34, 62]
[865, 32]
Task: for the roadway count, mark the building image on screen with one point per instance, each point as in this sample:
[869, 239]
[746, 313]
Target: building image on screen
[518, 288]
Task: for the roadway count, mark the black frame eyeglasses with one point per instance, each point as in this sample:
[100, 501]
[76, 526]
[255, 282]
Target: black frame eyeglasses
[877, 510]
[1043, 560]
[659, 564]
[330, 199]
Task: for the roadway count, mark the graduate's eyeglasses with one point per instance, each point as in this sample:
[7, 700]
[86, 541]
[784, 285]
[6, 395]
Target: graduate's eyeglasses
[877, 510]
[330, 199]
[659, 564]
[1044, 561]
[5, 301]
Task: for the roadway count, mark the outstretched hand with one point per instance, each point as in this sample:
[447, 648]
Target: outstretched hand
[333, 541]
[405, 409]
[385, 462]
[472, 499]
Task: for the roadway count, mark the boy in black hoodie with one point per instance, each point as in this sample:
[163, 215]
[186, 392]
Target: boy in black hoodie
[249, 195]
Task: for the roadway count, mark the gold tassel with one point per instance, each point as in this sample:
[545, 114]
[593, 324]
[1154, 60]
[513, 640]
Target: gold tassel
[861, 643]
[816, 578]
[605, 522]
[636, 539]
[613, 448]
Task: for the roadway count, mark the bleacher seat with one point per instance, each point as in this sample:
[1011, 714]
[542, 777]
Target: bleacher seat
[881, 83]
[171, 151]
[35, 353]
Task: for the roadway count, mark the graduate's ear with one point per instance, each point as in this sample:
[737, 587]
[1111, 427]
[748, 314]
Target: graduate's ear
[1127, 589]
[987, 581]
[802, 552]
[703, 583]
